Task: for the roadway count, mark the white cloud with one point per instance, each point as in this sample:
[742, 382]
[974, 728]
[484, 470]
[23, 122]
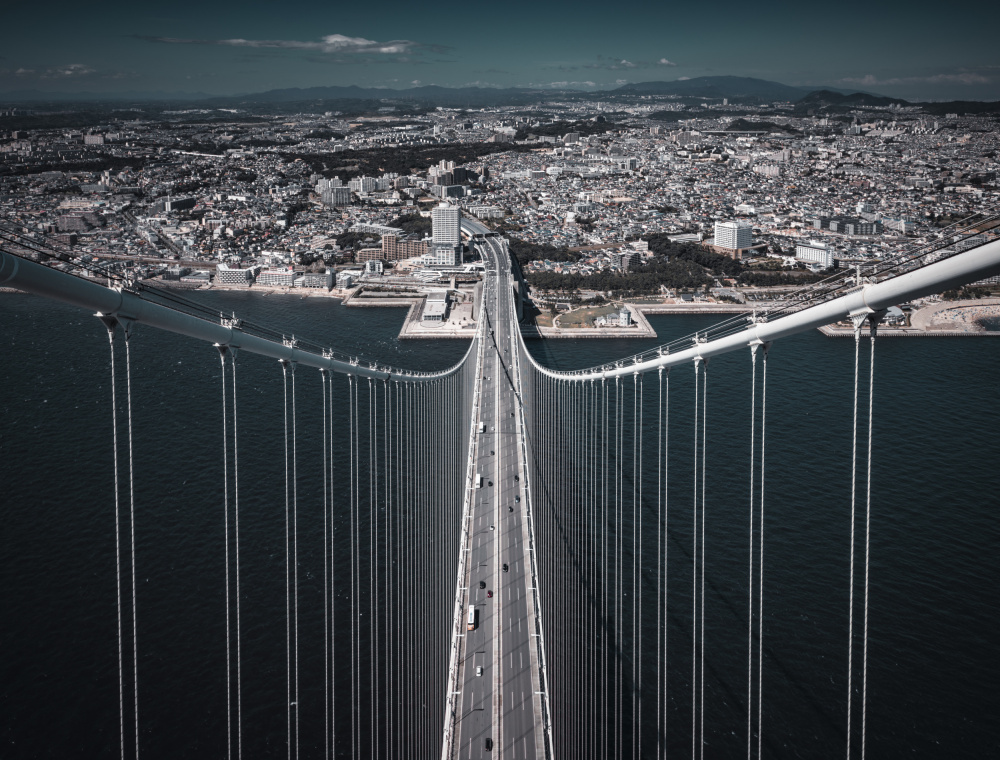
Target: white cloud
[65, 71]
[665, 62]
[626, 64]
[331, 44]
[621, 81]
[415, 82]
[683, 79]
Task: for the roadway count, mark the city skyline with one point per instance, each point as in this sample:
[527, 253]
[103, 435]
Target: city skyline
[895, 50]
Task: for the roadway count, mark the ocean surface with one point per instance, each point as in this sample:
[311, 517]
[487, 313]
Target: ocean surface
[934, 646]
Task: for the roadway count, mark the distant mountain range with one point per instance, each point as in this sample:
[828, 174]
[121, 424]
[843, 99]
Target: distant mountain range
[828, 97]
[736, 89]
[733, 88]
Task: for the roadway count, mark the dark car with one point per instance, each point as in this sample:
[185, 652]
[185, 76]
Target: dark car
[505, 567]
[517, 499]
[489, 745]
[482, 584]
[516, 478]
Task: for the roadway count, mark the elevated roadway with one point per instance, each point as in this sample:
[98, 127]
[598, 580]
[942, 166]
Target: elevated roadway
[496, 704]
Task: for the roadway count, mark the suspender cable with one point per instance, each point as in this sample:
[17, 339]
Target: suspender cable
[372, 506]
[854, 481]
[638, 598]
[666, 544]
[704, 459]
[352, 415]
[295, 549]
[111, 323]
[619, 573]
[635, 556]
[236, 547]
[387, 556]
[288, 602]
[333, 590]
[131, 494]
[604, 577]
[873, 320]
[595, 546]
[225, 503]
[659, 562]
[760, 562]
[236, 526]
[326, 580]
[694, 576]
[750, 576]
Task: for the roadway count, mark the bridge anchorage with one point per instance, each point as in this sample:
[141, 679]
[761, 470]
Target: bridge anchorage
[502, 573]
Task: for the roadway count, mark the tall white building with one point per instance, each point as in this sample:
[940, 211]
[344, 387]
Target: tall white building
[733, 235]
[446, 223]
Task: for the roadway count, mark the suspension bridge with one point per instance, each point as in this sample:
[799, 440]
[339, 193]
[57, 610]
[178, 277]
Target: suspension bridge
[504, 590]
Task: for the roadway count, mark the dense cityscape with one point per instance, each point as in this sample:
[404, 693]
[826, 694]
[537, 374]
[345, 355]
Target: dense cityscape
[589, 192]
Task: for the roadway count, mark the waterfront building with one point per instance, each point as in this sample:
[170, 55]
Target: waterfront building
[227, 275]
[814, 251]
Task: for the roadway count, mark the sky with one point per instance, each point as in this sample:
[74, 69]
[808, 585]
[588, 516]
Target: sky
[913, 50]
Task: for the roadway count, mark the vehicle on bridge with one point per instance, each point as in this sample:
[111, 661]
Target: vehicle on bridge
[472, 617]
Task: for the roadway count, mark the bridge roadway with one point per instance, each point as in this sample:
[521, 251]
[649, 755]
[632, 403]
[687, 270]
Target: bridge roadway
[498, 708]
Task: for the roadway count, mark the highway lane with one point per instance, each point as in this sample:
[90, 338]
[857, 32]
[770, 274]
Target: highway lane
[519, 700]
[475, 725]
[499, 704]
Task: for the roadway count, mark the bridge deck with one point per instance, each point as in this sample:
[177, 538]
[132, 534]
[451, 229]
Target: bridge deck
[499, 712]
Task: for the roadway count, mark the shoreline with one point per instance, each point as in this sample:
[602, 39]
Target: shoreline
[937, 320]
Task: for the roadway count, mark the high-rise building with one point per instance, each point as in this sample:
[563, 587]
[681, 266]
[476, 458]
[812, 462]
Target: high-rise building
[336, 196]
[446, 223]
[733, 235]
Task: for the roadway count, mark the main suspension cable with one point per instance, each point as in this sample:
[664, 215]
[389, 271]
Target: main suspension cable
[236, 508]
